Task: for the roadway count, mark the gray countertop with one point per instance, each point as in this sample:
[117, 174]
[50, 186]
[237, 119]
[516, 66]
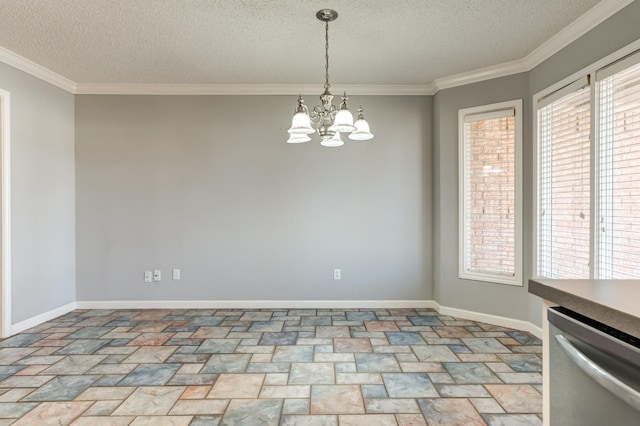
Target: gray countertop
[615, 303]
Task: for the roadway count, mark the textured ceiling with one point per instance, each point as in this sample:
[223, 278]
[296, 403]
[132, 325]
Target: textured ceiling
[277, 41]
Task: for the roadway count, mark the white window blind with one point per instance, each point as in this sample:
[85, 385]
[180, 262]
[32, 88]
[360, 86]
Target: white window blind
[564, 184]
[618, 236]
[489, 216]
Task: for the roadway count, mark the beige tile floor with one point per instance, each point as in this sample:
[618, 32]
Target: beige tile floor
[269, 367]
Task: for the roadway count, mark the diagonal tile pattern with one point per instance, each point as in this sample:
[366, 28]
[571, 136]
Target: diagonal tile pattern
[269, 367]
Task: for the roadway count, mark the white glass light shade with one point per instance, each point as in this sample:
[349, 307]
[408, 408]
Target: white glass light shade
[301, 124]
[298, 138]
[333, 142]
[362, 132]
[343, 122]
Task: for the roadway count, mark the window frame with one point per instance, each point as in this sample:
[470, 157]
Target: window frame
[495, 278]
[588, 72]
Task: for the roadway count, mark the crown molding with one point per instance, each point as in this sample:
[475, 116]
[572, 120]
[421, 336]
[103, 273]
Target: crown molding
[38, 71]
[583, 24]
[251, 89]
[482, 74]
[589, 20]
[389, 89]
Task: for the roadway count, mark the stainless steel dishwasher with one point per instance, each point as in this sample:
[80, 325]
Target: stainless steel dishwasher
[594, 372]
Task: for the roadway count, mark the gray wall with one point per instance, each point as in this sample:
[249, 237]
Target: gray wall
[206, 184]
[616, 32]
[496, 299]
[42, 194]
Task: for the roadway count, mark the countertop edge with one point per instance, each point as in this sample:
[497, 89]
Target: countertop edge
[603, 313]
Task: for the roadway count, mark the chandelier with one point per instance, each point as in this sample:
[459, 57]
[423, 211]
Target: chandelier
[328, 120]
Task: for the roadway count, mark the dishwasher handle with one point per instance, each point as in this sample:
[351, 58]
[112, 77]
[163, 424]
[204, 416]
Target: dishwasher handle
[600, 375]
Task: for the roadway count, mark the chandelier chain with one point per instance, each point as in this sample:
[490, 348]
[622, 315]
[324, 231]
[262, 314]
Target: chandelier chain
[326, 55]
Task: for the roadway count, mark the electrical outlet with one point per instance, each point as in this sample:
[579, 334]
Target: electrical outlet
[337, 274]
[157, 275]
[176, 274]
[148, 276]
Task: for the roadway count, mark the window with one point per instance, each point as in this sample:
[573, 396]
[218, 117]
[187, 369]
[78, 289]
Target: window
[588, 191]
[490, 186]
[564, 183]
[618, 196]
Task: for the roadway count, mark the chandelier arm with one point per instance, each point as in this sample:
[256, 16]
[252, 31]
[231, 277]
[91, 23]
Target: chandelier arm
[315, 120]
[316, 115]
[326, 56]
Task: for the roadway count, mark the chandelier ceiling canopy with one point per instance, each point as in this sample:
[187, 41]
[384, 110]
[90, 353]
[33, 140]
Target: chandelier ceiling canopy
[328, 120]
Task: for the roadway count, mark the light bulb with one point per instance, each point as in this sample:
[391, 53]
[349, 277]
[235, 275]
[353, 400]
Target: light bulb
[343, 121]
[362, 132]
[301, 124]
[334, 141]
[298, 138]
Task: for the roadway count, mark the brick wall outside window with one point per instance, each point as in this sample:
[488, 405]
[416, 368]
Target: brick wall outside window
[491, 197]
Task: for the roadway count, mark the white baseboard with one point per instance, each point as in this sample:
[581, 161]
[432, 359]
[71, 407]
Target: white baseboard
[253, 304]
[490, 319]
[275, 304]
[43, 317]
